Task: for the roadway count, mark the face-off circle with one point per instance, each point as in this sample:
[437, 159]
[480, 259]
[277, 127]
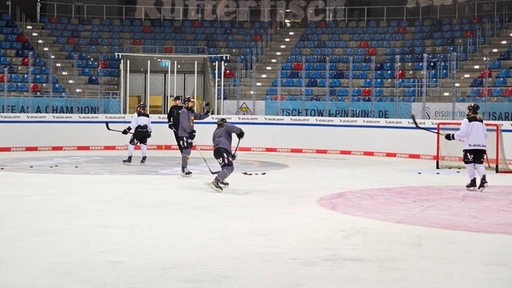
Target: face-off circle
[112, 165]
[444, 207]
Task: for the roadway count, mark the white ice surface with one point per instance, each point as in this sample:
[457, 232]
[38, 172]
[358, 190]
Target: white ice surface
[156, 231]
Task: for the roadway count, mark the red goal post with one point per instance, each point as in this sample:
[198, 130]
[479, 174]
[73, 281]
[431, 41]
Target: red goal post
[449, 153]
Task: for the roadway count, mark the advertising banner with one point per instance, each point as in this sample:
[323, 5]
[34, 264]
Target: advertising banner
[445, 111]
[61, 105]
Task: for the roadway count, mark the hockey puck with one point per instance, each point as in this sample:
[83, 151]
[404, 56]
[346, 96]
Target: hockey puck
[437, 172]
[419, 172]
[458, 171]
[51, 166]
[263, 173]
[31, 166]
[2, 168]
[76, 166]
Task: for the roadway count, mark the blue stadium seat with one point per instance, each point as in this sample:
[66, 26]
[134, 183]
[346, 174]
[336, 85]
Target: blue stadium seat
[93, 80]
[477, 82]
[86, 72]
[4, 60]
[496, 92]
[25, 78]
[495, 64]
[475, 92]
[21, 87]
[312, 83]
[343, 92]
[501, 82]
[15, 78]
[11, 87]
[367, 83]
[39, 79]
[335, 83]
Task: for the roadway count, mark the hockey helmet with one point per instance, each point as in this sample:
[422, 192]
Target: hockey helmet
[189, 99]
[177, 98]
[142, 106]
[221, 121]
[473, 108]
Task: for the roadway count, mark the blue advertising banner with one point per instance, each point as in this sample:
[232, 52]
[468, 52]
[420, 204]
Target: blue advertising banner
[60, 105]
[338, 109]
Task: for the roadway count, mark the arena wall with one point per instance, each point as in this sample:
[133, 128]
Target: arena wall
[350, 136]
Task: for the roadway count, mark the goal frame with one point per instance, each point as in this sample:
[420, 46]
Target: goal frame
[495, 160]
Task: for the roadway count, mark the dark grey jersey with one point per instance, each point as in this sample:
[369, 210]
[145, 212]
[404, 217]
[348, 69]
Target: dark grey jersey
[222, 136]
[187, 117]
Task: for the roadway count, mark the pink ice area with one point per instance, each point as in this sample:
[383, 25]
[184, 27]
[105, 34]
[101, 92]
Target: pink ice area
[447, 207]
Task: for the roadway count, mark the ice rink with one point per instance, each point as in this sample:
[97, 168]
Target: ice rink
[85, 220]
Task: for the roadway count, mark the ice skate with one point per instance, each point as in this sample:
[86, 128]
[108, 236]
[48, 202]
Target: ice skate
[143, 160]
[224, 183]
[185, 172]
[215, 185]
[483, 184]
[128, 160]
[471, 185]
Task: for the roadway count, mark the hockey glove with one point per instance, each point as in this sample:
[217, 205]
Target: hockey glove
[449, 137]
[208, 111]
[240, 135]
[233, 157]
[126, 130]
[170, 126]
[192, 135]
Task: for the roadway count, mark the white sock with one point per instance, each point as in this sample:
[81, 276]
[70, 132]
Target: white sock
[480, 168]
[471, 171]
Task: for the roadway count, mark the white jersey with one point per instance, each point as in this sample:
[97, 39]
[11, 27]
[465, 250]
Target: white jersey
[473, 132]
[140, 119]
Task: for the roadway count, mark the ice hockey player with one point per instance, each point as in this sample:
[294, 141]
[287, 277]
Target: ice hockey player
[474, 135]
[186, 131]
[173, 119]
[141, 126]
[222, 151]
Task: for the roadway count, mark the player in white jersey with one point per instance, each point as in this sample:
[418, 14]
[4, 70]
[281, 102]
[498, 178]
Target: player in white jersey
[474, 135]
[141, 126]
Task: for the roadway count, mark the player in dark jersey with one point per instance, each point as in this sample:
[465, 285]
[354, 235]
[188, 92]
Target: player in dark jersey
[173, 118]
[222, 138]
[141, 126]
[474, 135]
[186, 132]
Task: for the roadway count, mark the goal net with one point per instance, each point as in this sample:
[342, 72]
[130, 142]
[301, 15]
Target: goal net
[449, 153]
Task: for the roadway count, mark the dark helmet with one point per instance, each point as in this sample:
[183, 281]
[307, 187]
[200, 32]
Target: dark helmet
[177, 98]
[473, 108]
[221, 121]
[142, 106]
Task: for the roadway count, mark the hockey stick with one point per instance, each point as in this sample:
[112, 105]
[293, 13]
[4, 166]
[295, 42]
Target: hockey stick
[423, 128]
[205, 162]
[236, 149]
[487, 160]
[115, 130]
